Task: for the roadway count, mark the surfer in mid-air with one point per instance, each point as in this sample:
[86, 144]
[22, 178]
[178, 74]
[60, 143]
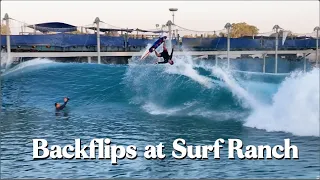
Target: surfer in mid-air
[165, 55]
[60, 107]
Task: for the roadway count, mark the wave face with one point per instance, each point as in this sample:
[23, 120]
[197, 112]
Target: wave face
[281, 103]
[143, 103]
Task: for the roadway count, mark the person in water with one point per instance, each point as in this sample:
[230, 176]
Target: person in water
[165, 55]
[59, 106]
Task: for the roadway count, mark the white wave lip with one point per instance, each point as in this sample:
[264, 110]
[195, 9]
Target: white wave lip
[235, 88]
[37, 62]
[295, 107]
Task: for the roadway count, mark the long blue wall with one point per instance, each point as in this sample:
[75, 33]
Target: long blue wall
[70, 40]
[247, 44]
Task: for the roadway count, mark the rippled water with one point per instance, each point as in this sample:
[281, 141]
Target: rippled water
[141, 105]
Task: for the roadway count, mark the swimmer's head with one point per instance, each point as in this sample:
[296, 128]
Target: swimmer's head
[57, 105]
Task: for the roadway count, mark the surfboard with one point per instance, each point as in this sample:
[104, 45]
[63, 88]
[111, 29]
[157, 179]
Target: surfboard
[155, 45]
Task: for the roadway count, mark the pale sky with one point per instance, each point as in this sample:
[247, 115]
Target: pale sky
[297, 16]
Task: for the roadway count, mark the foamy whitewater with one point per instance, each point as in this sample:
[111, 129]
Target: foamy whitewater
[142, 103]
[294, 108]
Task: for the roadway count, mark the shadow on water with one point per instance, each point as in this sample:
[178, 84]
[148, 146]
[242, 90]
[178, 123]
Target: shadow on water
[62, 115]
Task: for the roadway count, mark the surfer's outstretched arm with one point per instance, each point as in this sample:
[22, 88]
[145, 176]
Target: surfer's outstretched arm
[64, 104]
[157, 54]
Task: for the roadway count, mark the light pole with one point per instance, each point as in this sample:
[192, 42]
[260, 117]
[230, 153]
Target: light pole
[162, 28]
[317, 46]
[97, 21]
[276, 27]
[169, 24]
[172, 10]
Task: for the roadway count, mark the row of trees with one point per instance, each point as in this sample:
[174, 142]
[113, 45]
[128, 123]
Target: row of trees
[4, 30]
[237, 30]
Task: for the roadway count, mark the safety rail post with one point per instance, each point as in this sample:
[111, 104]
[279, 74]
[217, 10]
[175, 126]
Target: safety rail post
[126, 40]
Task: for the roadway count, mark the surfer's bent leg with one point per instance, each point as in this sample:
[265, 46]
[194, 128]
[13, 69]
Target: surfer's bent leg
[163, 62]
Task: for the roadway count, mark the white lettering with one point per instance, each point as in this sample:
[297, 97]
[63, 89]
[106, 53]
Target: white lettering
[115, 156]
[261, 150]
[205, 150]
[131, 152]
[150, 152]
[251, 152]
[217, 148]
[197, 154]
[288, 147]
[159, 151]
[43, 147]
[80, 152]
[107, 149]
[65, 152]
[179, 148]
[93, 148]
[232, 148]
[56, 152]
[275, 153]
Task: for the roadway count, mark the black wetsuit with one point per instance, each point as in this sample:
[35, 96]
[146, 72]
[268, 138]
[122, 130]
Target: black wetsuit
[165, 56]
[62, 106]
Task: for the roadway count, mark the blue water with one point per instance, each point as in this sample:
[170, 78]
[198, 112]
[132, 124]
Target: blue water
[139, 104]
